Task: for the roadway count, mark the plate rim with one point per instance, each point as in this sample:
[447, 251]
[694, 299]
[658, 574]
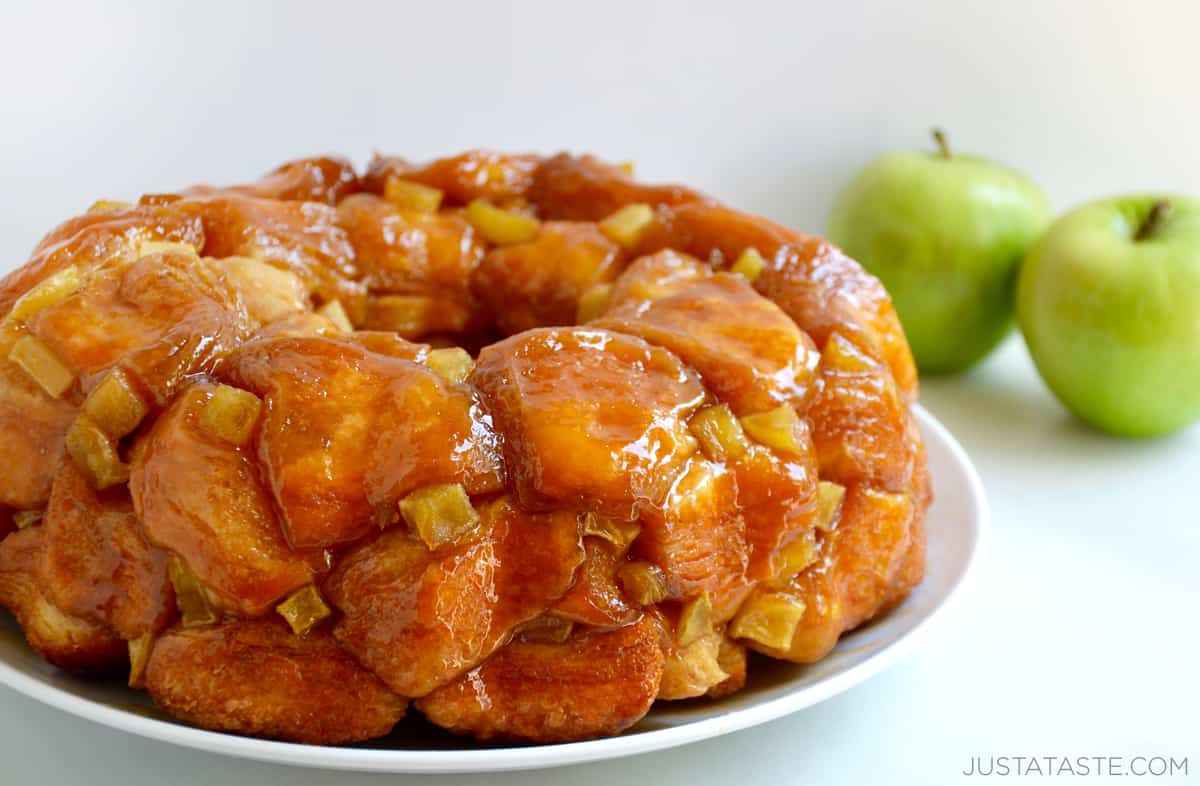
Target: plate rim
[545, 756]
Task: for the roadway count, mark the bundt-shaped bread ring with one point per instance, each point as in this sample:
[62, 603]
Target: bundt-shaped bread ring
[517, 439]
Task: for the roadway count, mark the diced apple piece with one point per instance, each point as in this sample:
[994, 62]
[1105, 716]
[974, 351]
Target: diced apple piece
[109, 205]
[719, 433]
[304, 609]
[190, 595]
[51, 290]
[139, 656]
[731, 657]
[768, 618]
[593, 303]
[411, 195]
[695, 620]
[42, 365]
[95, 453]
[546, 629]
[779, 428]
[114, 405]
[841, 354]
[619, 533]
[335, 313]
[501, 227]
[27, 518]
[643, 581]
[453, 364]
[162, 247]
[595, 599]
[795, 557]
[408, 315]
[691, 670]
[440, 514]
[830, 496]
[749, 264]
[626, 226]
[231, 414]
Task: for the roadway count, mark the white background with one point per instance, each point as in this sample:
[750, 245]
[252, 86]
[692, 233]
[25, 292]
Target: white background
[1082, 637]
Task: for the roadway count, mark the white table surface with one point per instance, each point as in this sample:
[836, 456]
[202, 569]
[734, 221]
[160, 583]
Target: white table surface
[1080, 639]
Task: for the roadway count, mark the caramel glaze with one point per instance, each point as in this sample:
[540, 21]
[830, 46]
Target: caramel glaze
[96, 561]
[564, 436]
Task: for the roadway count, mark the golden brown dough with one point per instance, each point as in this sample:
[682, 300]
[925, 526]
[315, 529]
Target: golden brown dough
[748, 352]
[32, 428]
[698, 536]
[584, 188]
[269, 293]
[97, 563]
[97, 237]
[200, 497]
[257, 678]
[353, 425]
[302, 237]
[733, 659]
[71, 643]
[594, 685]
[429, 257]
[327, 179]
[860, 424]
[858, 565]
[540, 283]
[612, 403]
[419, 618]
[161, 317]
[819, 287]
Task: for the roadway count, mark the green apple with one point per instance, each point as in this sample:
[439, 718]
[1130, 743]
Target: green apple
[1109, 302]
[945, 233]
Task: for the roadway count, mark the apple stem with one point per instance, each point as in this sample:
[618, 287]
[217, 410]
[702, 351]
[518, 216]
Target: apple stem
[1154, 220]
[943, 143]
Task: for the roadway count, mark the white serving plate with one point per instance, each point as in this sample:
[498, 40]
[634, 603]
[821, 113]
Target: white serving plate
[957, 533]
